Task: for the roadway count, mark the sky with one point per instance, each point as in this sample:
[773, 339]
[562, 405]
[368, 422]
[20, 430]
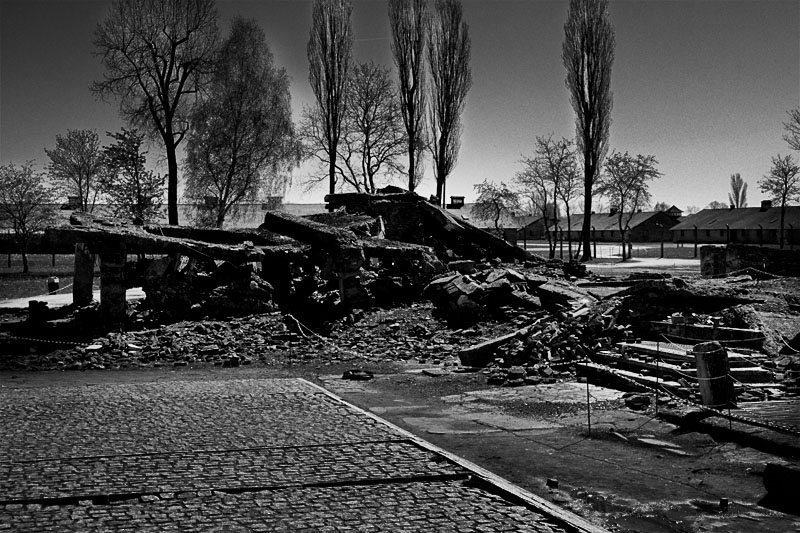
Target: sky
[703, 85]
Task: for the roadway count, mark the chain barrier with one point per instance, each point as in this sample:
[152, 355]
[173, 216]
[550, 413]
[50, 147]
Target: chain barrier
[45, 341]
[776, 426]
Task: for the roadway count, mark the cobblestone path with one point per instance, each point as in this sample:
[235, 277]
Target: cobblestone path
[249, 455]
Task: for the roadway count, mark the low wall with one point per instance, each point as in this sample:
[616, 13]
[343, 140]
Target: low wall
[723, 260]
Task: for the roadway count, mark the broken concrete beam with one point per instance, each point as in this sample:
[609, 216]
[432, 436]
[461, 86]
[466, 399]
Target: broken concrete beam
[562, 293]
[463, 266]
[102, 233]
[308, 231]
[482, 354]
[626, 380]
[411, 218]
[746, 338]
[361, 225]
[683, 355]
[220, 236]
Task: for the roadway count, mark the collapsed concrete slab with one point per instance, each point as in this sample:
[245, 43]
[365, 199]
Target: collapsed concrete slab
[112, 240]
[294, 257]
[410, 218]
[349, 256]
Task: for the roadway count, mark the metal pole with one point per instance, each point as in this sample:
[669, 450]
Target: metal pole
[588, 409]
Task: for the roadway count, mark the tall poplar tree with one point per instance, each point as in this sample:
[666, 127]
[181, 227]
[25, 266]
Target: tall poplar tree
[409, 21]
[449, 50]
[330, 48]
[588, 54]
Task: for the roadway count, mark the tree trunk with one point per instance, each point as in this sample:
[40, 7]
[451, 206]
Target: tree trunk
[569, 234]
[332, 170]
[25, 268]
[783, 215]
[172, 180]
[623, 246]
[411, 164]
[588, 182]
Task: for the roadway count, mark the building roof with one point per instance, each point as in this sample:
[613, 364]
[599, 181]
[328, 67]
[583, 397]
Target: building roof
[506, 221]
[609, 221]
[740, 218]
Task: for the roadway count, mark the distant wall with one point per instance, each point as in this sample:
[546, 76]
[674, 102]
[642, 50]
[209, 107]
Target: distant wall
[722, 260]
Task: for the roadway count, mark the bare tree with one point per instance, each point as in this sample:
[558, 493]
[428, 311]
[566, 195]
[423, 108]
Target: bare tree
[588, 54]
[451, 78]
[494, 201]
[242, 143]
[373, 138]
[563, 154]
[738, 195]
[551, 175]
[133, 191]
[782, 184]
[157, 55]
[625, 183]
[330, 48]
[409, 20]
[717, 205]
[25, 204]
[792, 127]
[540, 195]
[76, 166]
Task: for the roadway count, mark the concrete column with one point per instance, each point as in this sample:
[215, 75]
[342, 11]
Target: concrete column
[713, 375]
[83, 279]
[348, 267]
[112, 285]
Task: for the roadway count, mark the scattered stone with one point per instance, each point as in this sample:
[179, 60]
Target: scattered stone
[638, 402]
[357, 375]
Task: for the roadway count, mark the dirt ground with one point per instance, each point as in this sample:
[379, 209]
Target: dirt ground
[625, 470]
[631, 473]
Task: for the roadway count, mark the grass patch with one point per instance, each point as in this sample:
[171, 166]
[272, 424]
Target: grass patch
[15, 284]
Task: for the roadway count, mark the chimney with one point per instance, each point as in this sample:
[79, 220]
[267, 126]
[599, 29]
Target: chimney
[456, 202]
[765, 204]
[731, 207]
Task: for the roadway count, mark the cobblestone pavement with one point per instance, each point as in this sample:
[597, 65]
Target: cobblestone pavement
[248, 455]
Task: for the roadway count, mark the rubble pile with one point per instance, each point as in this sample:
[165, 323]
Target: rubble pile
[179, 286]
[390, 277]
[404, 333]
